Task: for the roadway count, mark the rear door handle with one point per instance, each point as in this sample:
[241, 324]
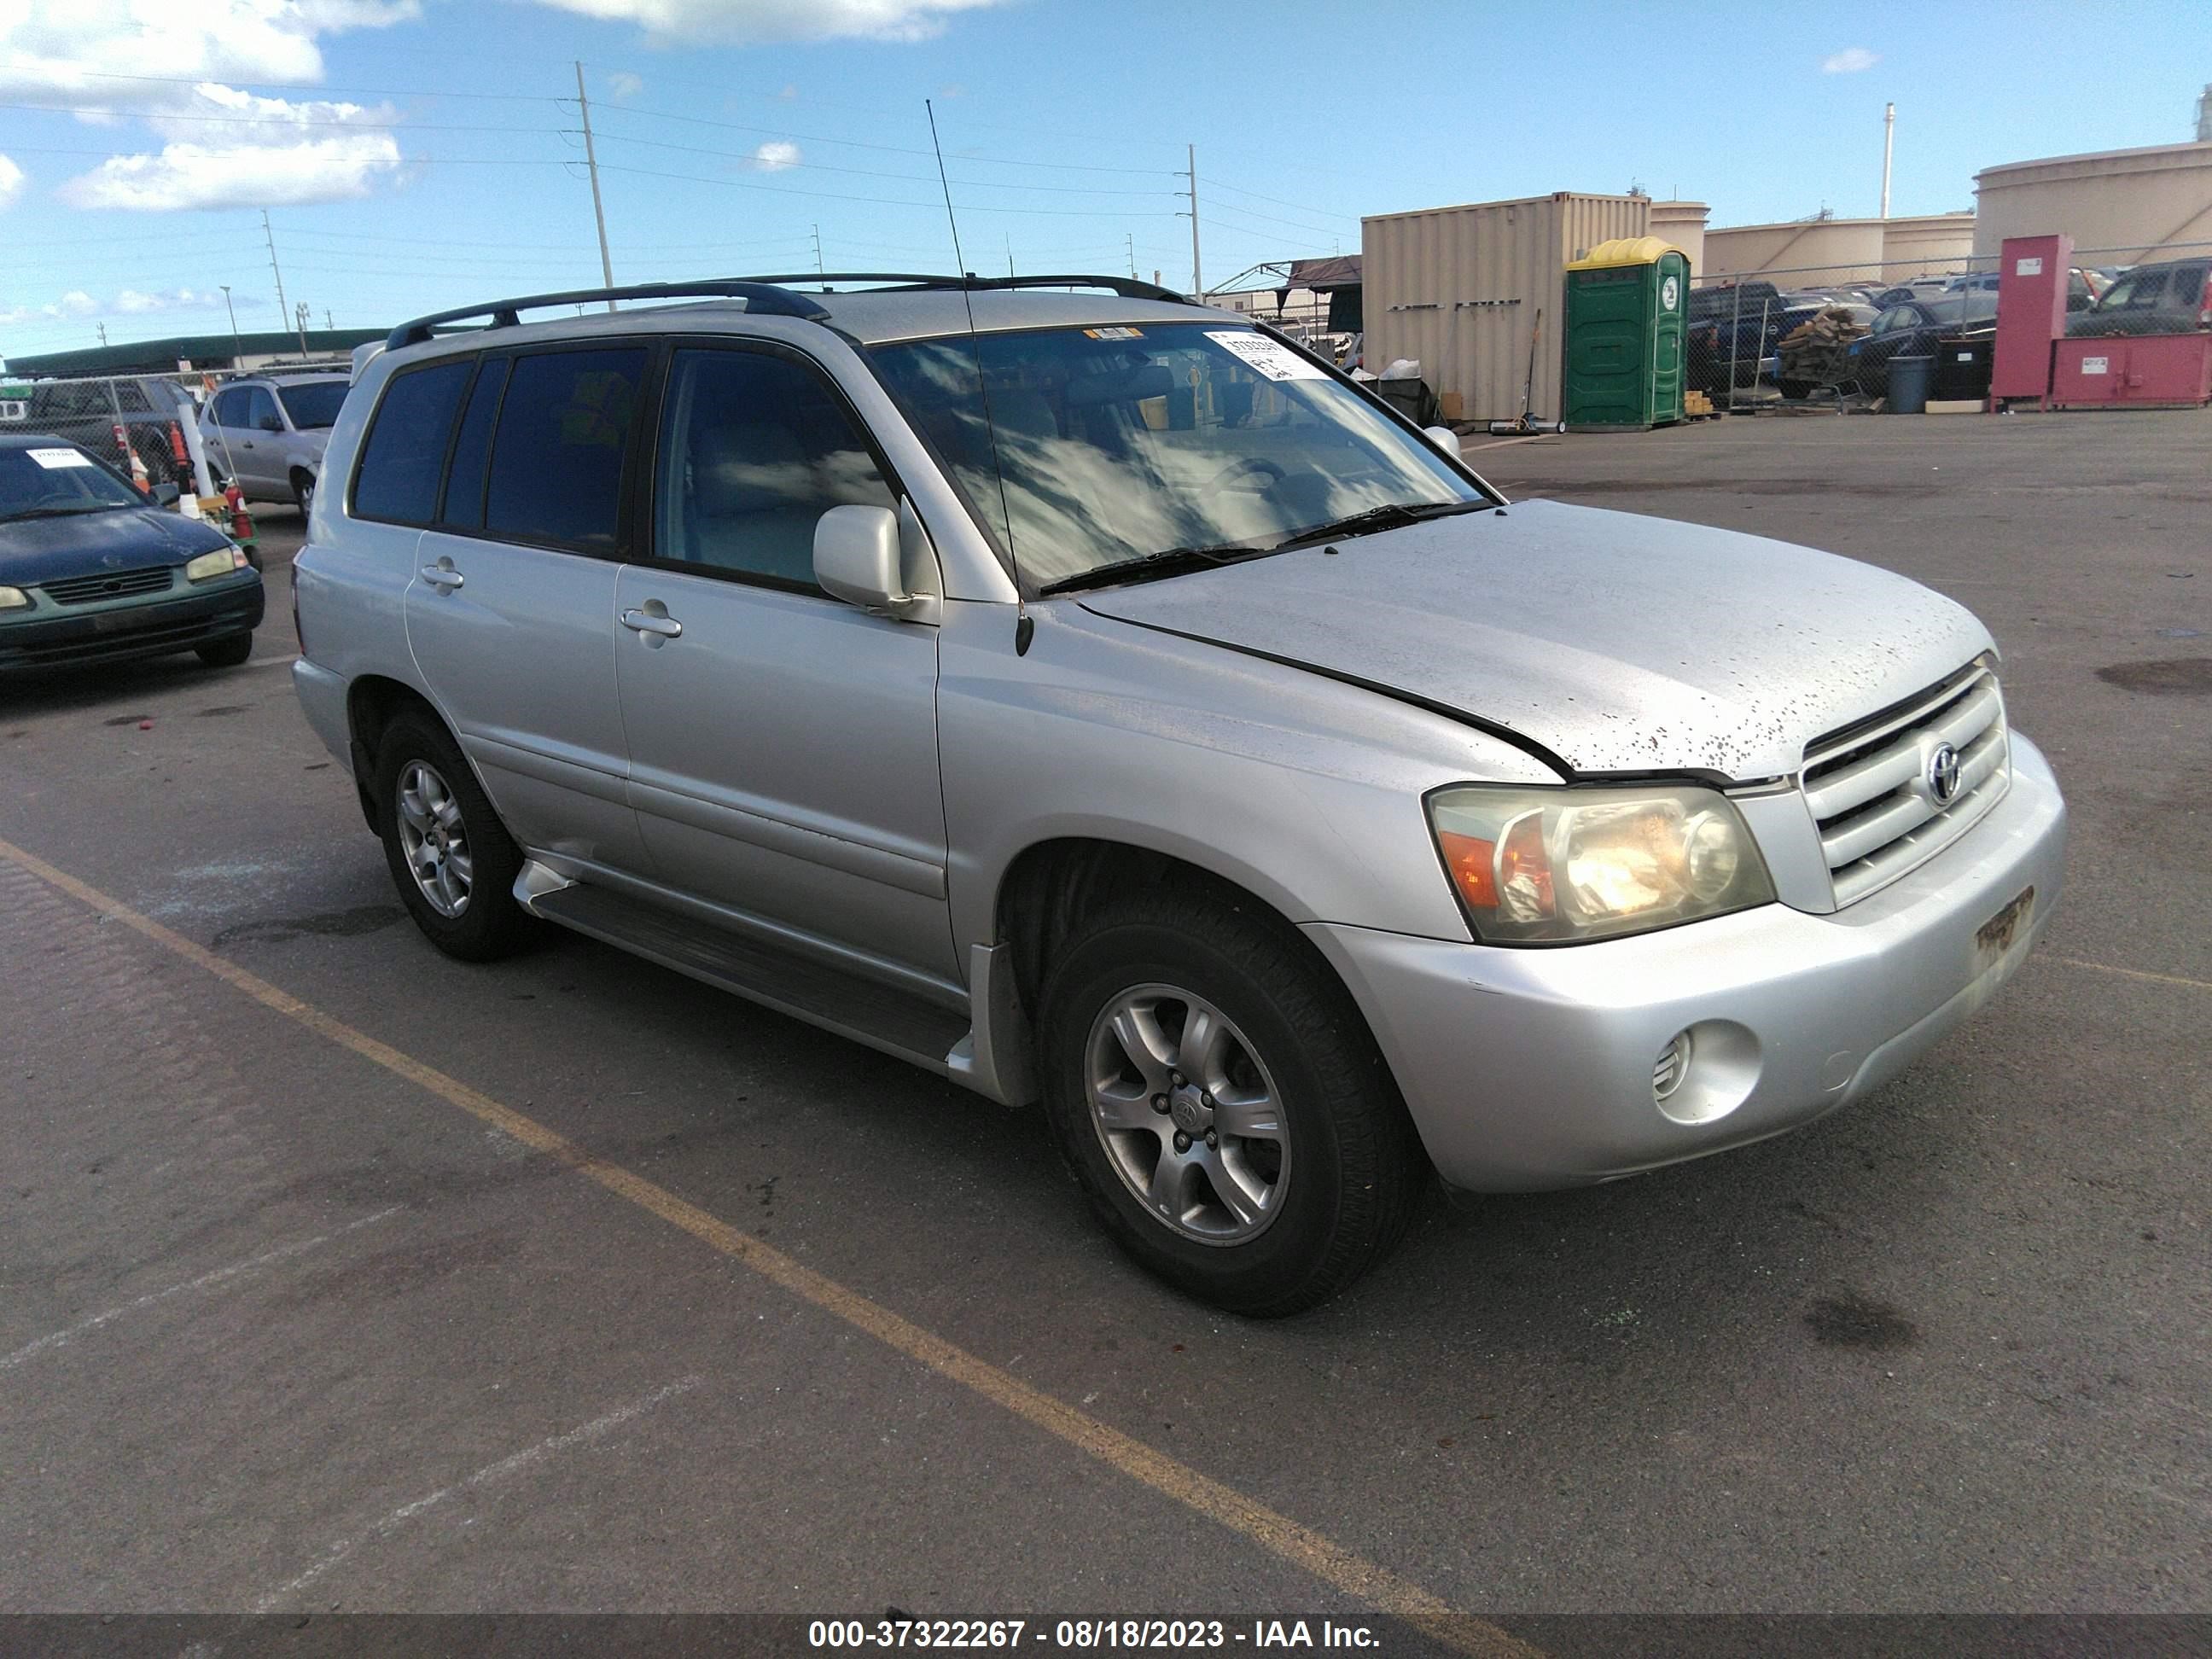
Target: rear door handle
[643, 622]
[443, 577]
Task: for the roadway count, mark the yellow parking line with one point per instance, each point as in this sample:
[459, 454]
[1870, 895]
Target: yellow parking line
[1300, 1545]
[2131, 973]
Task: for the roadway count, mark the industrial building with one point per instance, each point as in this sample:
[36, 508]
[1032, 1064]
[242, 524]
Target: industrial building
[2144, 203]
[1885, 250]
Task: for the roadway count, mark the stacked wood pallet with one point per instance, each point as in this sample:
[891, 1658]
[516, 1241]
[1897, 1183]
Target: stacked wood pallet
[1819, 351]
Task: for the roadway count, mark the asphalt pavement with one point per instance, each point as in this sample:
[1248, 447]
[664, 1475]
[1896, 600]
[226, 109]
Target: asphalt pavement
[340, 1275]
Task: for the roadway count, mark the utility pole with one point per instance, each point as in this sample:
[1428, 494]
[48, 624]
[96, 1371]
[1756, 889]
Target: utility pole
[1888, 142]
[327, 323]
[820, 269]
[299, 319]
[592, 166]
[1010, 253]
[102, 327]
[1132, 239]
[269, 236]
[237, 345]
[1197, 280]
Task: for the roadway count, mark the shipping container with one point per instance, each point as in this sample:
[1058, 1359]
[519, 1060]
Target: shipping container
[1460, 288]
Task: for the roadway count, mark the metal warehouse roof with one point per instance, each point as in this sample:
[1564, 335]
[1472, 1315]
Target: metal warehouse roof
[160, 356]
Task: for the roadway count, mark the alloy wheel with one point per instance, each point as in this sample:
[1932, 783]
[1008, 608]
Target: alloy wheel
[434, 838]
[1187, 1113]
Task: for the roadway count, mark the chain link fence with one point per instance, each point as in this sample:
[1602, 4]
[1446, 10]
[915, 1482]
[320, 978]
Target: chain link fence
[1799, 335]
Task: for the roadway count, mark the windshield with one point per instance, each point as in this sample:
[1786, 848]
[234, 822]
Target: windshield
[1117, 443]
[41, 481]
[313, 405]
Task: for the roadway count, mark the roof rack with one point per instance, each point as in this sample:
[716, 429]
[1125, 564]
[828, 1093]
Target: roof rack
[773, 296]
[761, 297]
[1128, 288]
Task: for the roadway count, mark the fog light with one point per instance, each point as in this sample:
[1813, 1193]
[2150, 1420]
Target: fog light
[1672, 1066]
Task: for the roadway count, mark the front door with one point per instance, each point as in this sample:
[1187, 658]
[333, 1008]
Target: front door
[510, 612]
[782, 743]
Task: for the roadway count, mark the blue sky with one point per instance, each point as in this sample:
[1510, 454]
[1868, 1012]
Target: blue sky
[417, 154]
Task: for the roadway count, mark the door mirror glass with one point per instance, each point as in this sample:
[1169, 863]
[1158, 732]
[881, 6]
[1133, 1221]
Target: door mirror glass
[856, 557]
[165, 495]
[1443, 438]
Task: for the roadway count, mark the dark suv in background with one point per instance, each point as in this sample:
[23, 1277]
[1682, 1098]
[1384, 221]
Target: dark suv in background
[2173, 297]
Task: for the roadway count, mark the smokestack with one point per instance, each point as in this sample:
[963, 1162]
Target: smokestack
[1889, 143]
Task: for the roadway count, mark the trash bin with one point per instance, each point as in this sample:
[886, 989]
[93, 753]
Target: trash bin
[1909, 380]
[1962, 369]
[1625, 304]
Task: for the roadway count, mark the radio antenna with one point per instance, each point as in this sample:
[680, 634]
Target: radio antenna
[1024, 625]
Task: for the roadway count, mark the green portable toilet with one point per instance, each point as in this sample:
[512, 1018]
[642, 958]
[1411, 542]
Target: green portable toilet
[1626, 301]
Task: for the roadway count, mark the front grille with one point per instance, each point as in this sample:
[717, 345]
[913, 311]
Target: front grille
[1869, 789]
[108, 585]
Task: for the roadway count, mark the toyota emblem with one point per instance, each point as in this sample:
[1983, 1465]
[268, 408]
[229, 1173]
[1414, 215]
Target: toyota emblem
[1943, 774]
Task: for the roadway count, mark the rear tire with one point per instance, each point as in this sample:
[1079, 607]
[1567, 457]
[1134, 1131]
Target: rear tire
[303, 489]
[226, 654]
[452, 860]
[1312, 1135]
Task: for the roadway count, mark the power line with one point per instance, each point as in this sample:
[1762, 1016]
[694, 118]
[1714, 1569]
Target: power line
[1239, 189]
[866, 173]
[248, 118]
[314, 86]
[879, 201]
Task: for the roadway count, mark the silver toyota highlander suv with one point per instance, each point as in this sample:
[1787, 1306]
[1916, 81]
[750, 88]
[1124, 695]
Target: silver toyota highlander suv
[1098, 701]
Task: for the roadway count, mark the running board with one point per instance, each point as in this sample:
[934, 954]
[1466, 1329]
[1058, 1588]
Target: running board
[865, 1010]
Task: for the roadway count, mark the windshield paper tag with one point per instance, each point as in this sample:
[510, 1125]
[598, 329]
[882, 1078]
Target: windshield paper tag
[1276, 362]
[51, 460]
[1114, 333]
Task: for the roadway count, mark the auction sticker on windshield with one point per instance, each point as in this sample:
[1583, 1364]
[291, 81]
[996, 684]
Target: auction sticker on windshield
[1276, 362]
[52, 459]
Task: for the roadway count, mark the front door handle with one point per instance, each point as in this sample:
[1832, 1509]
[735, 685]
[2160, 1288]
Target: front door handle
[442, 577]
[644, 622]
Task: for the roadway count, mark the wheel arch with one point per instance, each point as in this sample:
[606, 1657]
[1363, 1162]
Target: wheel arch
[373, 702]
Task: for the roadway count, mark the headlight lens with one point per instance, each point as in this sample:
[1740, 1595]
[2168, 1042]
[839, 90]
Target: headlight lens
[221, 563]
[1557, 867]
[13, 598]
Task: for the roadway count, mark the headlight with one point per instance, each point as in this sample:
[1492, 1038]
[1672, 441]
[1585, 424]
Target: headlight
[1558, 866]
[221, 563]
[13, 598]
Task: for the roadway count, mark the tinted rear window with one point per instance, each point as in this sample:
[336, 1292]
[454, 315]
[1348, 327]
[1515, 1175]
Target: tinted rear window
[465, 483]
[406, 446]
[557, 462]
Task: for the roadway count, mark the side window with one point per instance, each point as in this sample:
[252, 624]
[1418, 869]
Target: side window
[755, 448]
[406, 446]
[557, 458]
[2148, 293]
[464, 479]
[224, 410]
[261, 410]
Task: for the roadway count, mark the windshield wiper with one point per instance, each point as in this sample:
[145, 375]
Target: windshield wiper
[1168, 562]
[1392, 515]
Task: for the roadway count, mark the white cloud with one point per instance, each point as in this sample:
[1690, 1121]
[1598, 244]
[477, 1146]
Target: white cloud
[11, 180]
[1850, 61]
[189, 176]
[225, 147]
[775, 155]
[623, 84]
[75, 47]
[740, 22]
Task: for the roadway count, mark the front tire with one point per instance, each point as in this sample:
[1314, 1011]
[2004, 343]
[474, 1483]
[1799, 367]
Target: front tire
[226, 654]
[303, 489]
[1283, 1165]
[451, 858]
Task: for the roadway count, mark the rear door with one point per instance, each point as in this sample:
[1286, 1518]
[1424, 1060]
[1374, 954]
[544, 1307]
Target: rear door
[510, 612]
[782, 743]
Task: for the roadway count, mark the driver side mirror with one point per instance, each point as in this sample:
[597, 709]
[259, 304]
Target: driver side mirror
[856, 558]
[165, 495]
[1443, 438]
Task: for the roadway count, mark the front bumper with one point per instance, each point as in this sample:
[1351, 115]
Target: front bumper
[1528, 1069]
[54, 636]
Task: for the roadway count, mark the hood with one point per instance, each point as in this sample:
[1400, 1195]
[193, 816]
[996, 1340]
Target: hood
[128, 538]
[1616, 643]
